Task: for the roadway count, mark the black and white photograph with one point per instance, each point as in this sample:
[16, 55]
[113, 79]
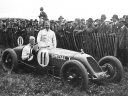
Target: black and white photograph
[63, 48]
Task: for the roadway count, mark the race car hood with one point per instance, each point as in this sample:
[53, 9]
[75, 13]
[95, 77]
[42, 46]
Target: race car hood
[18, 51]
[64, 52]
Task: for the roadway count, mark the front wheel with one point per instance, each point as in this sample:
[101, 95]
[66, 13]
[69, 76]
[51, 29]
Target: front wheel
[75, 74]
[9, 60]
[113, 68]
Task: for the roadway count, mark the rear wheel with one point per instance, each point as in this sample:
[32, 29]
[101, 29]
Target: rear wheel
[113, 68]
[75, 74]
[9, 60]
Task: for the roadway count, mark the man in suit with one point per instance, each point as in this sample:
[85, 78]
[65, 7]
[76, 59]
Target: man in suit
[61, 36]
[104, 26]
[69, 34]
[78, 33]
[27, 50]
[89, 41]
[61, 20]
[114, 24]
[121, 42]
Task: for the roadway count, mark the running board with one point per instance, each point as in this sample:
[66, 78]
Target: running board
[26, 64]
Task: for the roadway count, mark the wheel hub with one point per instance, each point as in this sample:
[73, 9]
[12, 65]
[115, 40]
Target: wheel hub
[72, 76]
[8, 62]
[109, 69]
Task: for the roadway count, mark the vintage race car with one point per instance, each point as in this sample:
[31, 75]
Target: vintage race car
[73, 68]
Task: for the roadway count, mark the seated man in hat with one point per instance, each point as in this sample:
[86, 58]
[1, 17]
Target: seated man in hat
[27, 50]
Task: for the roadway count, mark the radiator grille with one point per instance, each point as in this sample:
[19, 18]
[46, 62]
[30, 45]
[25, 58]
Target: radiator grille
[93, 64]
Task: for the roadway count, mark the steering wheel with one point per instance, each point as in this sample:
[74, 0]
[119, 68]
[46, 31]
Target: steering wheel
[44, 46]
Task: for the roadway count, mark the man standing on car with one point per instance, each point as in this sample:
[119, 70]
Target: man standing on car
[43, 16]
[46, 37]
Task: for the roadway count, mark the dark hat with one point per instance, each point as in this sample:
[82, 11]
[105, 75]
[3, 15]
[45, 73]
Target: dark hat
[15, 20]
[103, 16]
[41, 8]
[97, 20]
[126, 17]
[76, 19]
[82, 19]
[90, 20]
[69, 21]
[122, 20]
[115, 16]
[36, 20]
[31, 19]
[60, 17]
[52, 21]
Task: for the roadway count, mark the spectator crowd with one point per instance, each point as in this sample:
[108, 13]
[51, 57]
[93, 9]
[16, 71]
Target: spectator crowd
[94, 36]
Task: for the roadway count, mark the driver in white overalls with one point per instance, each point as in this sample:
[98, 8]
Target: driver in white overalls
[46, 37]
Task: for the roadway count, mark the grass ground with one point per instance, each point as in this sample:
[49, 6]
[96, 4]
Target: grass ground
[31, 84]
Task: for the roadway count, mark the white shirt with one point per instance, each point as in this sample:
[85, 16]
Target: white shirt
[46, 38]
[26, 52]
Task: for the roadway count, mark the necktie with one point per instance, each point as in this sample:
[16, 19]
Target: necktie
[31, 47]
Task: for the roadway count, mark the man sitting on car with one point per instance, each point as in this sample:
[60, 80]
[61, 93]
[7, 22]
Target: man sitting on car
[46, 37]
[27, 50]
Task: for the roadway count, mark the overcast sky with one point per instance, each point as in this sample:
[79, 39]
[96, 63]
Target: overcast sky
[69, 9]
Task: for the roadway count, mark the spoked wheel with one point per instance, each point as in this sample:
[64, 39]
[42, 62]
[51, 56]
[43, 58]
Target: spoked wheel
[110, 70]
[72, 76]
[8, 63]
[73, 73]
[9, 60]
[113, 68]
